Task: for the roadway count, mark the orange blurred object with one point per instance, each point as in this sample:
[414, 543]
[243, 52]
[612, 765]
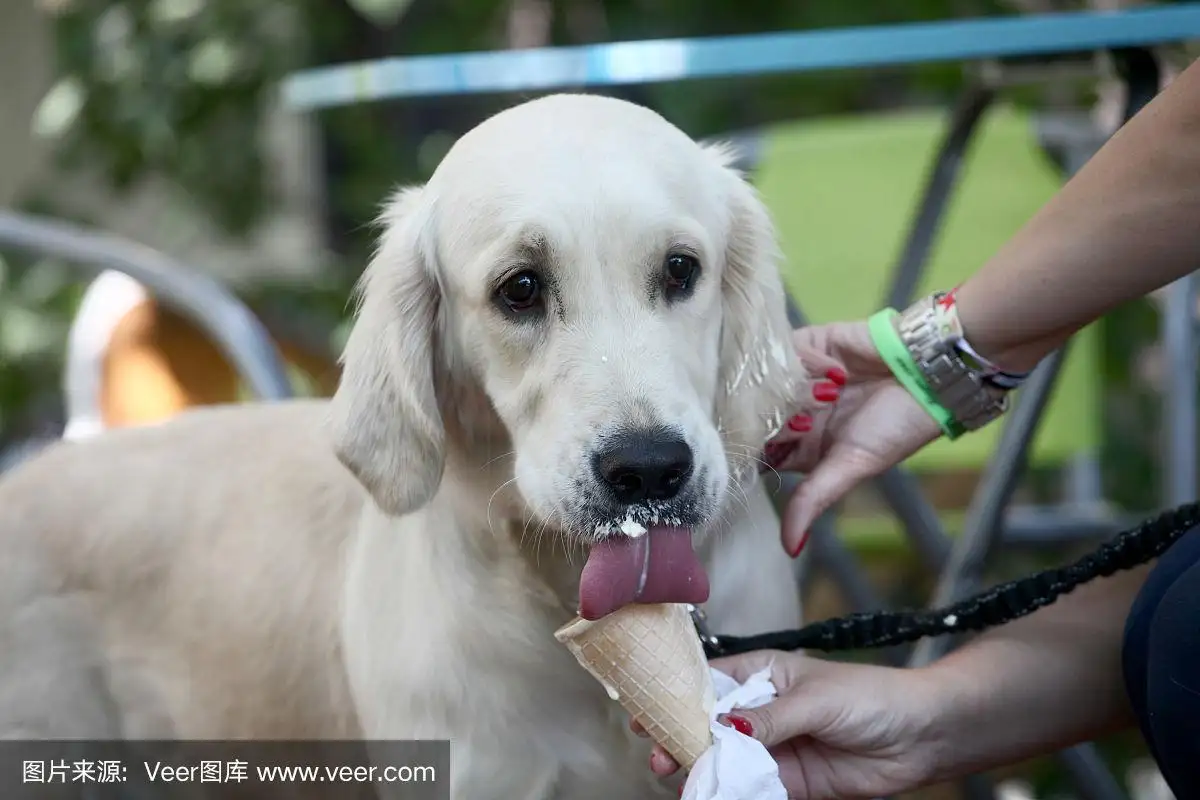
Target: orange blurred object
[132, 360]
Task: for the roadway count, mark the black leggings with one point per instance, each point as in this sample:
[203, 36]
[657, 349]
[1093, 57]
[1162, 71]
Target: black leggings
[1161, 661]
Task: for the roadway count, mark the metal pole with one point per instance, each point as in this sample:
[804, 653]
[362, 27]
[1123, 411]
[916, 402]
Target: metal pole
[942, 179]
[1179, 400]
[984, 525]
[901, 491]
[234, 329]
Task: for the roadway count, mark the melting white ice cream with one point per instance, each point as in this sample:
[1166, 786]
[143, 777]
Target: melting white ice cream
[632, 528]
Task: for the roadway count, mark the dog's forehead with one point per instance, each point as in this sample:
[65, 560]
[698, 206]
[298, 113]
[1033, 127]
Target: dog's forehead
[588, 125]
[574, 159]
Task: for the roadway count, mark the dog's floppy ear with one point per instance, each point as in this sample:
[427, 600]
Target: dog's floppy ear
[386, 421]
[760, 376]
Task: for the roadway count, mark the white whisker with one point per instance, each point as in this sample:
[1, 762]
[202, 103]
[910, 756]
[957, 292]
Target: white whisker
[490, 461]
[492, 499]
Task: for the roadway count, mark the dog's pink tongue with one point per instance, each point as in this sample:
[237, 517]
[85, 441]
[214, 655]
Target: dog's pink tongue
[614, 568]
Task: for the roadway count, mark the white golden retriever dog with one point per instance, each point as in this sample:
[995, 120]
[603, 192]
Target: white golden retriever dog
[570, 348]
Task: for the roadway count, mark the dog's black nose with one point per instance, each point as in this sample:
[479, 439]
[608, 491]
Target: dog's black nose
[644, 465]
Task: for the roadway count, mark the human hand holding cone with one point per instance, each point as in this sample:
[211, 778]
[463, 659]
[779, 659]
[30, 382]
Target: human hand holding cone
[650, 659]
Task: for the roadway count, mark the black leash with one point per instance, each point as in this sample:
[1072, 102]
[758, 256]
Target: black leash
[995, 606]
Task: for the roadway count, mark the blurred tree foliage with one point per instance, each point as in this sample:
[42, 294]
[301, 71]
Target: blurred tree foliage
[179, 88]
[174, 88]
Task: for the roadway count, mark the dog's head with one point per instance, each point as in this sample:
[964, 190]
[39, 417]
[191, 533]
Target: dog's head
[610, 287]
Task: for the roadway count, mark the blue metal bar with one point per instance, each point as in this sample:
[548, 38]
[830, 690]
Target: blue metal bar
[659, 60]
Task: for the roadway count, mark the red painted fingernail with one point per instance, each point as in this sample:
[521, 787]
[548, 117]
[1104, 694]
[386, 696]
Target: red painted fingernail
[741, 725]
[801, 423]
[826, 392]
[681, 791]
[837, 375]
[800, 545]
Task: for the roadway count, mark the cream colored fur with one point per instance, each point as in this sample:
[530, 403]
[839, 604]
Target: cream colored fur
[392, 563]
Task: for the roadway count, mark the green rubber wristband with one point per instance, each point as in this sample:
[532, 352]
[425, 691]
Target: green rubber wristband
[895, 354]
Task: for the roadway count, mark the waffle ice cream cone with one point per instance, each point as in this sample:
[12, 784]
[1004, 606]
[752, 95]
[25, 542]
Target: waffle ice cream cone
[650, 659]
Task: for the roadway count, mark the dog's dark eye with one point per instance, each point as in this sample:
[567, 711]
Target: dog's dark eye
[681, 271]
[521, 293]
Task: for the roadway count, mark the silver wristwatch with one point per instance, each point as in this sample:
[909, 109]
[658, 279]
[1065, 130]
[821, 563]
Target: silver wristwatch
[931, 335]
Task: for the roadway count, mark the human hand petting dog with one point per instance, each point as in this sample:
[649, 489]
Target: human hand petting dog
[864, 423]
[837, 730]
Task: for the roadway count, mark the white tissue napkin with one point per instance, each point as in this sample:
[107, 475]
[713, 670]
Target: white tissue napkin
[736, 767]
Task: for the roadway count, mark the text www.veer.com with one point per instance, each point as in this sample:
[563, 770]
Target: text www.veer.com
[347, 774]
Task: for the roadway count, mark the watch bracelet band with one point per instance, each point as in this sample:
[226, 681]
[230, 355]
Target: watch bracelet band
[946, 307]
[989, 372]
[931, 331]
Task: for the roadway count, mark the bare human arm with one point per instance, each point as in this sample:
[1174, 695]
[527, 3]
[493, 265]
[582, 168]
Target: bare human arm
[1036, 685]
[1124, 225]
